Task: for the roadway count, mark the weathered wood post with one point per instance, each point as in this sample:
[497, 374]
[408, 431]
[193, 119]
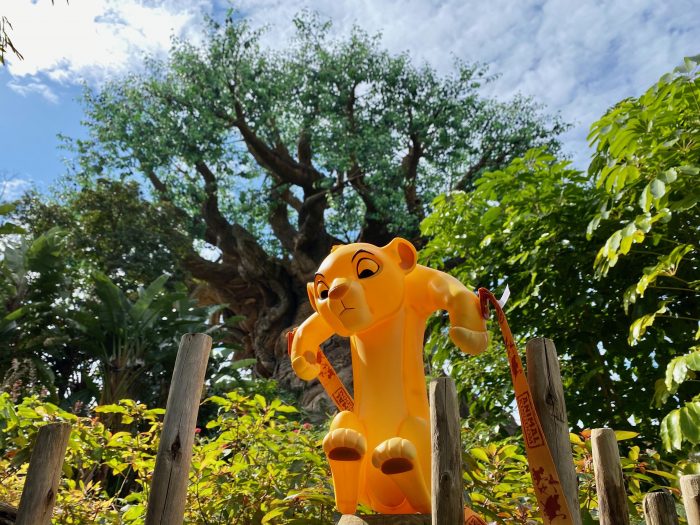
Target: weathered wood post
[610, 485]
[690, 488]
[660, 509]
[43, 475]
[544, 378]
[448, 508]
[8, 514]
[166, 504]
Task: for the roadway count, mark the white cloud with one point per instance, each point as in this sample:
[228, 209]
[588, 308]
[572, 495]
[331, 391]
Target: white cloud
[13, 188]
[578, 58]
[33, 86]
[94, 39]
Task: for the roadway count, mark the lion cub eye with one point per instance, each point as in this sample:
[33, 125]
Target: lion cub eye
[322, 290]
[366, 268]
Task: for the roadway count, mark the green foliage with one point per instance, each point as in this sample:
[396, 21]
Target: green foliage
[33, 286]
[648, 159]
[345, 110]
[135, 340]
[6, 226]
[253, 464]
[525, 226]
[89, 339]
[499, 487]
[110, 228]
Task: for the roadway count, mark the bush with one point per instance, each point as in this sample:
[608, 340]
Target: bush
[256, 463]
[252, 464]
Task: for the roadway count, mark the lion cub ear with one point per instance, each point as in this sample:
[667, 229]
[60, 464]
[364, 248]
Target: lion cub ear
[405, 253]
[312, 296]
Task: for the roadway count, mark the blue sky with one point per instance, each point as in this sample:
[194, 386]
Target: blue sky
[577, 58]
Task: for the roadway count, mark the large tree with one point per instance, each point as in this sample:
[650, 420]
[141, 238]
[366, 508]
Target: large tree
[273, 156]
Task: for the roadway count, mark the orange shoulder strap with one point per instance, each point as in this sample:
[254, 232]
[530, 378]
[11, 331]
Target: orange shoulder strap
[329, 379]
[545, 480]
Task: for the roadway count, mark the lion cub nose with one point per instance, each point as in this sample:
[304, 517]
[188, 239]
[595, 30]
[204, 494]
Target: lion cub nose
[340, 288]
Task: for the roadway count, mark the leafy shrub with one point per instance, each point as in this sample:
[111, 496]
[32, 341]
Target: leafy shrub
[252, 464]
[255, 463]
[498, 484]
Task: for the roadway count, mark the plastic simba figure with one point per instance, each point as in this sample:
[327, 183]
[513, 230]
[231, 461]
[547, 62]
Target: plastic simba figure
[380, 298]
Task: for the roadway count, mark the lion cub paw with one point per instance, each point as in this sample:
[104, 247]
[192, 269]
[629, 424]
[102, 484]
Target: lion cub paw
[469, 341]
[394, 456]
[344, 444]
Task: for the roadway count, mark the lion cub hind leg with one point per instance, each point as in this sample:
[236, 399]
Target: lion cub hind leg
[398, 458]
[345, 446]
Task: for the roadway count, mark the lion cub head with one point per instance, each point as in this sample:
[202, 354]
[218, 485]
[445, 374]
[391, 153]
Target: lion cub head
[359, 285]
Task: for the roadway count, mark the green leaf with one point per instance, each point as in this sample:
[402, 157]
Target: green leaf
[690, 422]
[671, 435]
[621, 435]
[679, 367]
[110, 409]
[657, 188]
[689, 170]
[639, 326]
[480, 454]
[7, 207]
[663, 474]
[661, 393]
[9, 228]
[490, 216]
[669, 176]
[261, 401]
[272, 514]
[645, 199]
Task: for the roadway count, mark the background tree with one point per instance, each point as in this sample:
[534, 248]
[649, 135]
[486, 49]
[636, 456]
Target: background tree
[526, 226]
[79, 334]
[33, 286]
[636, 265]
[647, 160]
[272, 157]
[108, 227]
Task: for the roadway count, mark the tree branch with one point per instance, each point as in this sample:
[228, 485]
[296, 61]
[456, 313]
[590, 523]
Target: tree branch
[474, 170]
[304, 148]
[279, 220]
[409, 168]
[277, 160]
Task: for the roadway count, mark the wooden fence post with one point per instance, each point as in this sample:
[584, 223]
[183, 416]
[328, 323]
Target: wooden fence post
[8, 514]
[690, 487]
[448, 508]
[544, 378]
[610, 485]
[166, 504]
[43, 475]
[660, 509]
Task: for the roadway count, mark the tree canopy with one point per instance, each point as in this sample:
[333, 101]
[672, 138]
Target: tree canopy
[633, 269]
[273, 156]
[647, 159]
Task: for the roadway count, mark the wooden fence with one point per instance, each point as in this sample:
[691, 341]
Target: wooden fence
[166, 505]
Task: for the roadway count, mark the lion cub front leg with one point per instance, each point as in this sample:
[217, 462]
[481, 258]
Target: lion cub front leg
[406, 459]
[345, 446]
